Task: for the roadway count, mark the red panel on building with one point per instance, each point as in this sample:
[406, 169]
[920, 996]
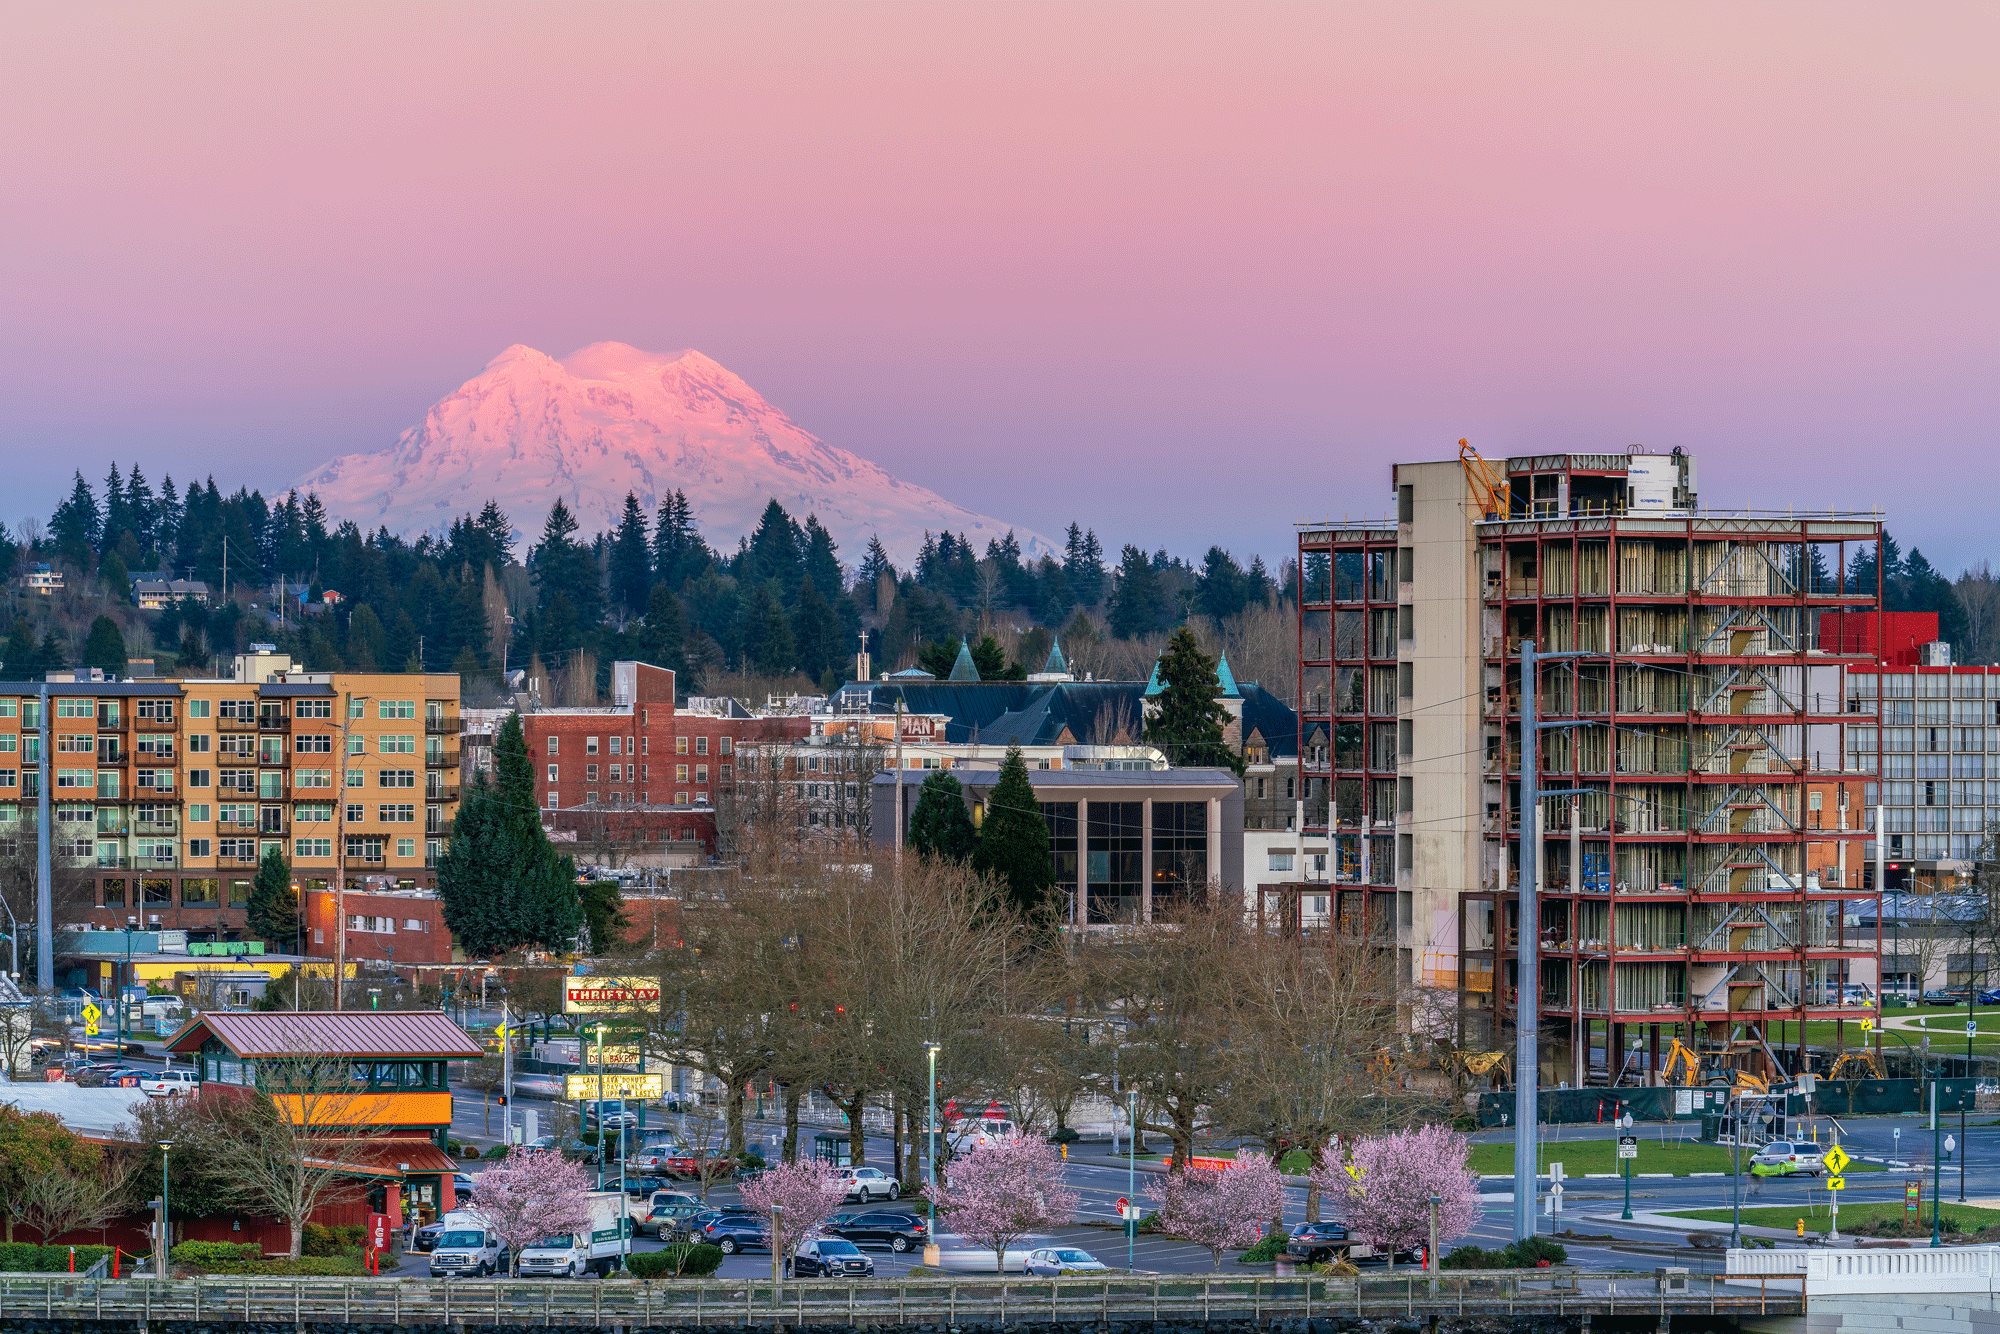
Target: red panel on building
[1903, 634]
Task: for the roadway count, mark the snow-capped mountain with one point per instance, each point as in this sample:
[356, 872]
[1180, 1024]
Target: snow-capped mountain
[611, 419]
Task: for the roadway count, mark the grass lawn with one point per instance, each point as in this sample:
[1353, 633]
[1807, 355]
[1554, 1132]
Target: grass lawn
[1851, 1215]
[1580, 1156]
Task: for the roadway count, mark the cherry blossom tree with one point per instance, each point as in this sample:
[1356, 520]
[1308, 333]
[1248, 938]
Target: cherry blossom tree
[1384, 1192]
[1004, 1190]
[528, 1196]
[1220, 1208]
[802, 1195]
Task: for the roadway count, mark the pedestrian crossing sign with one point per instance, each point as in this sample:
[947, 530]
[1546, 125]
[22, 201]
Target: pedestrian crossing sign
[1837, 1160]
[1836, 1183]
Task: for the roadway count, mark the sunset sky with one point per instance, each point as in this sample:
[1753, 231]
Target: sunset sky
[1186, 273]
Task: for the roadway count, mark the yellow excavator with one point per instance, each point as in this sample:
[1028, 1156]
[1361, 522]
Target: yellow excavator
[1857, 1063]
[1684, 1066]
[1466, 1066]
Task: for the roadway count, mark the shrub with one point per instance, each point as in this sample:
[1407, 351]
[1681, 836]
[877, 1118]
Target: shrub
[1470, 1257]
[207, 1253]
[1265, 1251]
[322, 1266]
[1065, 1136]
[19, 1257]
[497, 1151]
[317, 1239]
[689, 1259]
[1524, 1254]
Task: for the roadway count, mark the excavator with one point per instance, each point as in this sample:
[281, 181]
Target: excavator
[1857, 1063]
[1466, 1066]
[1687, 1067]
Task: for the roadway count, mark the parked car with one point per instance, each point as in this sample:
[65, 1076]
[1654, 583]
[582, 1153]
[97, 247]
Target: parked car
[867, 1183]
[677, 1161]
[899, 1232]
[1051, 1261]
[462, 1185]
[1990, 997]
[969, 1134]
[162, 1082]
[425, 1238]
[573, 1149]
[668, 1222]
[1784, 1157]
[1317, 1242]
[830, 1257]
[612, 1120]
[1948, 995]
[737, 1232]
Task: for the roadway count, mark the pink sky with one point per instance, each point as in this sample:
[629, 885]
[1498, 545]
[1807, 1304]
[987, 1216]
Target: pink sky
[1186, 273]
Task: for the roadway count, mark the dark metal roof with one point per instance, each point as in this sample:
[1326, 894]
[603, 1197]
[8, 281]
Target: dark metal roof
[371, 1035]
[1040, 779]
[115, 689]
[293, 690]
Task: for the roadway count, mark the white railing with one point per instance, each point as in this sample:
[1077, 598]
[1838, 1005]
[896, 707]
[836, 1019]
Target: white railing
[1886, 1271]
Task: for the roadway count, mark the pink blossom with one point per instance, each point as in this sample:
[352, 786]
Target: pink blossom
[1003, 1190]
[1220, 1208]
[528, 1196]
[804, 1195]
[1388, 1205]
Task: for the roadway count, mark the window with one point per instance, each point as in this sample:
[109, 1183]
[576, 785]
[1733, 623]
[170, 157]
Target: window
[680, 773]
[1281, 861]
[701, 773]
[645, 745]
[397, 745]
[645, 772]
[555, 745]
[727, 744]
[75, 743]
[395, 708]
[614, 745]
[10, 777]
[590, 745]
[312, 847]
[552, 799]
[313, 743]
[364, 849]
[312, 778]
[76, 708]
[356, 745]
[7, 708]
[680, 745]
[590, 773]
[398, 813]
[723, 771]
[406, 847]
[356, 707]
[397, 778]
[198, 743]
[680, 798]
[200, 847]
[313, 708]
[243, 849]
[76, 778]
[590, 798]
[198, 778]
[355, 778]
[554, 776]
[314, 812]
[701, 745]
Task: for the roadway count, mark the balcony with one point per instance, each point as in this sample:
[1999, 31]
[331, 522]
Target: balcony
[272, 722]
[235, 724]
[156, 826]
[112, 722]
[109, 752]
[442, 792]
[143, 724]
[441, 726]
[240, 862]
[441, 829]
[236, 826]
[441, 759]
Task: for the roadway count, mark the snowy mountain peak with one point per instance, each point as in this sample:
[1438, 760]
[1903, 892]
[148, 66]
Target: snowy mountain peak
[611, 418]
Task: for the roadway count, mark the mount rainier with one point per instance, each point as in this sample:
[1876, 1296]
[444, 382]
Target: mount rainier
[610, 419]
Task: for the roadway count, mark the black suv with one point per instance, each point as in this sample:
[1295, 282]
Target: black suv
[899, 1232]
[1315, 1242]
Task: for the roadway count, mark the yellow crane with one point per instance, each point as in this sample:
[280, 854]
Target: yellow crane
[1486, 482]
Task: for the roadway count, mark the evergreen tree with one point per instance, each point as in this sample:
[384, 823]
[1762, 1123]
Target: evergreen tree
[1189, 719]
[18, 657]
[875, 563]
[563, 565]
[116, 518]
[105, 648]
[938, 657]
[822, 561]
[776, 551]
[940, 826]
[1014, 843]
[51, 656]
[604, 915]
[76, 524]
[768, 646]
[1138, 601]
[1258, 582]
[501, 882]
[815, 631]
[631, 559]
[1083, 565]
[142, 508]
[273, 911]
[663, 636]
[991, 660]
[1224, 590]
[679, 554]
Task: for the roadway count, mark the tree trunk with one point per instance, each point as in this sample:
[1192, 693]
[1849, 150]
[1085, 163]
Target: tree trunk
[298, 1237]
[857, 1140]
[486, 1108]
[737, 1140]
[791, 1152]
[896, 1136]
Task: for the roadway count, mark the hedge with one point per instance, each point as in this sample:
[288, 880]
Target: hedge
[319, 1240]
[324, 1266]
[18, 1257]
[215, 1252]
[687, 1259]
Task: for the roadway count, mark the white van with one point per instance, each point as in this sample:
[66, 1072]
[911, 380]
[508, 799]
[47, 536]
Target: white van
[467, 1246]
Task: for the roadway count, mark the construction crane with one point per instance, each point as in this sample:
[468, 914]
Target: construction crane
[1485, 481]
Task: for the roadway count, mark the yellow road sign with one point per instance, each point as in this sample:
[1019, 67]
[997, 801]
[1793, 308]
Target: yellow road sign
[1836, 1183]
[1837, 1160]
[92, 1014]
[90, 1029]
[1867, 1024]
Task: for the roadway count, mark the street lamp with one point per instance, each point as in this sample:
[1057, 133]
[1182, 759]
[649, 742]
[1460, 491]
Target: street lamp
[166, 1229]
[930, 1151]
[1625, 1123]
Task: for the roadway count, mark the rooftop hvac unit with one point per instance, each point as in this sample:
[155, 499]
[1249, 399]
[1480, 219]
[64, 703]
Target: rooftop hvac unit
[1937, 653]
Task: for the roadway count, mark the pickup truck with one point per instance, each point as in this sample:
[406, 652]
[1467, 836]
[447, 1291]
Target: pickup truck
[467, 1246]
[679, 1162]
[596, 1250]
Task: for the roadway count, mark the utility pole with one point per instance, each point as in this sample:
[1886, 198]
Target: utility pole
[45, 881]
[899, 787]
[347, 703]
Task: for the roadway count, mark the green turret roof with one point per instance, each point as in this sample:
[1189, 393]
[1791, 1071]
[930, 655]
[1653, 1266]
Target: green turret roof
[963, 670]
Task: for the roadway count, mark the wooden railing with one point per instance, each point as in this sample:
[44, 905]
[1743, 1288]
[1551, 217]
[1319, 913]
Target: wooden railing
[947, 1301]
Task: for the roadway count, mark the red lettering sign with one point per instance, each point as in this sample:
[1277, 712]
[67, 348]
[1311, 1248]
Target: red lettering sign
[378, 1232]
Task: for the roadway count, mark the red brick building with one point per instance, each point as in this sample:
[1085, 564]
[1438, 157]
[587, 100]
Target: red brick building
[384, 926]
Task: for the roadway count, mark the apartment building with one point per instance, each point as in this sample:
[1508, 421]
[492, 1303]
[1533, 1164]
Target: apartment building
[167, 793]
[1707, 696]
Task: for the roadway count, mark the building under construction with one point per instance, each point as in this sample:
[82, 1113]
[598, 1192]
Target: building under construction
[1704, 701]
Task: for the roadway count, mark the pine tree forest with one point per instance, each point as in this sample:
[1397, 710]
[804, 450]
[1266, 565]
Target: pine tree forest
[784, 611]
